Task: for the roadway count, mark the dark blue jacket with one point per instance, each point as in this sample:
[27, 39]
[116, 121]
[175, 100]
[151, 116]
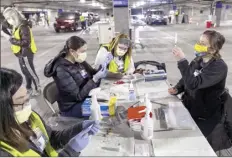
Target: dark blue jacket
[72, 84]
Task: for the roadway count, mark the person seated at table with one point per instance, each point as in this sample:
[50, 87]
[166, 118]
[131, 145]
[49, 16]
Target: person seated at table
[23, 131]
[121, 49]
[74, 77]
[203, 81]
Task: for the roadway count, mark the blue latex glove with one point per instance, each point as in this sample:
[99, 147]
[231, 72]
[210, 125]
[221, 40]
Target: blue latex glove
[94, 129]
[100, 74]
[109, 58]
[81, 140]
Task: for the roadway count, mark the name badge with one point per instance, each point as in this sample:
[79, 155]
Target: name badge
[197, 73]
[84, 74]
[40, 141]
[120, 66]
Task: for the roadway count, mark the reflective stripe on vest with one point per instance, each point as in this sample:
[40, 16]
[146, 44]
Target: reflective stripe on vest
[16, 49]
[82, 18]
[113, 67]
[36, 122]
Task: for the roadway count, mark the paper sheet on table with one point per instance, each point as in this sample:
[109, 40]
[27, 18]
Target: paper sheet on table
[178, 117]
[122, 91]
[142, 150]
[184, 146]
[104, 94]
[109, 146]
[158, 95]
[151, 87]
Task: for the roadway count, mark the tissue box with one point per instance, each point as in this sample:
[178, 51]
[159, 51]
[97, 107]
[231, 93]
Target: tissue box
[86, 111]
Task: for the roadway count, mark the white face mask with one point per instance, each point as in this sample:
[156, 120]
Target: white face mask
[23, 115]
[81, 57]
[121, 52]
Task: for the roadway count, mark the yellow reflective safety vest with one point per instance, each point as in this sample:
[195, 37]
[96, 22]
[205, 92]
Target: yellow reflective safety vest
[16, 34]
[113, 67]
[82, 18]
[177, 12]
[36, 122]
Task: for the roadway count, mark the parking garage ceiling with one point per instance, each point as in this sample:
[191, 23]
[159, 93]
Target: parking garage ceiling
[102, 4]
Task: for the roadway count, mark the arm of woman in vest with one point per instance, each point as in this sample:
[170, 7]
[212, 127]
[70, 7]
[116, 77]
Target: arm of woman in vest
[69, 85]
[131, 67]
[101, 57]
[211, 75]
[59, 139]
[25, 37]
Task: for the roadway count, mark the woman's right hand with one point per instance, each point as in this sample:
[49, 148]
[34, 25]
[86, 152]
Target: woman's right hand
[173, 91]
[81, 140]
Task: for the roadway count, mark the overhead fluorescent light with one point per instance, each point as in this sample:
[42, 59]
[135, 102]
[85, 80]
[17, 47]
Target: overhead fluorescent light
[103, 7]
[82, 1]
[94, 4]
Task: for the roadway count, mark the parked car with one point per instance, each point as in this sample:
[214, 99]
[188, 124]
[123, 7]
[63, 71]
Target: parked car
[67, 21]
[156, 17]
[137, 21]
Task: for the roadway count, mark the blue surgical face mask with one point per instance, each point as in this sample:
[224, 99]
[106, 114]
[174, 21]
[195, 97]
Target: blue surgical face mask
[200, 54]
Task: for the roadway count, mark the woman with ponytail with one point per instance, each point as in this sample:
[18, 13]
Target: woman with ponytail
[73, 76]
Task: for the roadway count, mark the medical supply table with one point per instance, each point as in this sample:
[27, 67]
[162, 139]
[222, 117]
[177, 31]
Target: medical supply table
[123, 141]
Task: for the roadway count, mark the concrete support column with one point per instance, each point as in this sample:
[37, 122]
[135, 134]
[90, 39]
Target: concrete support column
[121, 16]
[218, 13]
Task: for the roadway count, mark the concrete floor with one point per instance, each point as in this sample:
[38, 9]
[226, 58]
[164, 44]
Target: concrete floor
[158, 42]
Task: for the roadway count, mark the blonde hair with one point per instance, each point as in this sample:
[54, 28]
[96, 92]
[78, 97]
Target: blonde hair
[114, 43]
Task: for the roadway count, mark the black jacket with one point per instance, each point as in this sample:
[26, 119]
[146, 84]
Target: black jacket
[202, 92]
[73, 87]
[25, 40]
[58, 140]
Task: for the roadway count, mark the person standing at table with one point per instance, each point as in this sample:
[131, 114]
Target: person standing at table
[23, 131]
[24, 47]
[203, 82]
[121, 49]
[74, 77]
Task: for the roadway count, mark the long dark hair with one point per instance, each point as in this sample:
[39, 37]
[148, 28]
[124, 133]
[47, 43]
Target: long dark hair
[11, 132]
[216, 41]
[74, 43]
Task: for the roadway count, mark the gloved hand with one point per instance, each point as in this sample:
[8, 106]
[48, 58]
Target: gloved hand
[81, 140]
[95, 127]
[100, 74]
[109, 58]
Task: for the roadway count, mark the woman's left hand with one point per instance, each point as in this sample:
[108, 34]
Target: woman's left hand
[178, 53]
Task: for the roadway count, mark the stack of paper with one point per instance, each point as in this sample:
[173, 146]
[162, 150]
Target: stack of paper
[186, 146]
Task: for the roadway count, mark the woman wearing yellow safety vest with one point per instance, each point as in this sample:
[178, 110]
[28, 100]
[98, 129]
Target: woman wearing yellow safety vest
[23, 132]
[121, 48]
[23, 46]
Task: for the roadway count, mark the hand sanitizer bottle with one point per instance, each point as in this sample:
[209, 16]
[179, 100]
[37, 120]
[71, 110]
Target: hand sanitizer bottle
[132, 96]
[95, 107]
[147, 121]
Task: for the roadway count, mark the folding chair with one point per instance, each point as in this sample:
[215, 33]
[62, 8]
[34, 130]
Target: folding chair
[50, 94]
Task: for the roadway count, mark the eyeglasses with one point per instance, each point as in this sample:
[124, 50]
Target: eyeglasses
[123, 48]
[18, 107]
